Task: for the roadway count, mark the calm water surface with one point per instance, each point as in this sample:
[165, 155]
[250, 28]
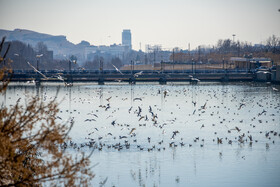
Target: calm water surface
[210, 134]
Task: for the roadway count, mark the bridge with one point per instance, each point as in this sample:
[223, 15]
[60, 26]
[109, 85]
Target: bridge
[131, 76]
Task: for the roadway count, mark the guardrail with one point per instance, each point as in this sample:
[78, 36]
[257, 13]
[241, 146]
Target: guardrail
[127, 72]
[128, 76]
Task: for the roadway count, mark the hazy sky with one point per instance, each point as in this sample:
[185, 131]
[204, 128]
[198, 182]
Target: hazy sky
[171, 23]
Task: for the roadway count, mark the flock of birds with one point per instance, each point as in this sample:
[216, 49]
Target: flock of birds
[218, 117]
[58, 77]
[68, 84]
[158, 119]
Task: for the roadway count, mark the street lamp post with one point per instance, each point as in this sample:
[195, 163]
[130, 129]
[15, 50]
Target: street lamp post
[192, 65]
[38, 57]
[233, 37]
[16, 57]
[37, 67]
[69, 73]
[101, 77]
[247, 60]
[226, 66]
[132, 78]
[101, 67]
[69, 66]
[132, 67]
[223, 64]
[70, 77]
[173, 61]
[161, 66]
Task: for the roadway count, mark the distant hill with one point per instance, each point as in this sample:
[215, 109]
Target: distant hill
[58, 44]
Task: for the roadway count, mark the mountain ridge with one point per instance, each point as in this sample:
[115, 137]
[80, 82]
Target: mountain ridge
[59, 44]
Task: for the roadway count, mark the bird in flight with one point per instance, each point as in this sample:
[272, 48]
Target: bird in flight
[204, 106]
[236, 128]
[194, 103]
[242, 104]
[108, 99]
[59, 77]
[165, 93]
[117, 69]
[174, 134]
[137, 98]
[37, 71]
[133, 129]
[137, 74]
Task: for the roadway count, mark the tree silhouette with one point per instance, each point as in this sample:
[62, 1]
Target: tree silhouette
[30, 151]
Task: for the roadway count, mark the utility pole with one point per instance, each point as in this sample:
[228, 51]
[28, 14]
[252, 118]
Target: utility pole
[226, 66]
[101, 77]
[233, 44]
[173, 55]
[101, 66]
[37, 67]
[238, 49]
[189, 51]
[173, 61]
[161, 63]
[192, 65]
[146, 59]
[198, 53]
[70, 78]
[223, 64]
[69, 66]
[131, 67]
[154, 56]
[37, 74]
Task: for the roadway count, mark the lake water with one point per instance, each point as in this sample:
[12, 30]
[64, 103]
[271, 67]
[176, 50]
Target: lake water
[209, 134]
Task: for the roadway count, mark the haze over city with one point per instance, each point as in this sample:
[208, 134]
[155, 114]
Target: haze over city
[169, 23]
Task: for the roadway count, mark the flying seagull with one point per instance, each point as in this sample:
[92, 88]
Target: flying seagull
[117, 69]
[137, 74]
[74, 61]
[38, 56]
[138, 98]
[241, 104]
[37, 70]
[133, 129]
[60, 78]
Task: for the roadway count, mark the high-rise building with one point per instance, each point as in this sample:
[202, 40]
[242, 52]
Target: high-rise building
[126, 38]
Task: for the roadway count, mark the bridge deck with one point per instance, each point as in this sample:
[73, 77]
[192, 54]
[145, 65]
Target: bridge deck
[144, 77]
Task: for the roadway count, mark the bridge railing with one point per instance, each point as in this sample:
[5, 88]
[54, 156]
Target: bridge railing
[53, 73]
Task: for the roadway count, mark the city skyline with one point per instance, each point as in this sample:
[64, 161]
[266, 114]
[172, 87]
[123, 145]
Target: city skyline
[168, 23]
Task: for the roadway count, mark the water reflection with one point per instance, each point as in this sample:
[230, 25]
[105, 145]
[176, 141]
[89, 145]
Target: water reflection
[37, 87]
[101, 94]
[135, 150]
[131, 94]
[69, 88]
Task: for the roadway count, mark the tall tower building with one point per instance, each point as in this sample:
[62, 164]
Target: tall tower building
[126, 38]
